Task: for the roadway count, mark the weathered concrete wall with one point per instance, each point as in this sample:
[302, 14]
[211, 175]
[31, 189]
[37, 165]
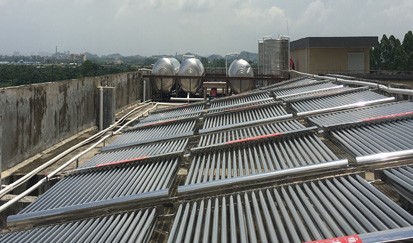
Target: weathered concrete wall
[38, 116]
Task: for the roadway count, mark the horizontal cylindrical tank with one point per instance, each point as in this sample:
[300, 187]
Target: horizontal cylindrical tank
[165, 66]
[241, 68]
[191, 67]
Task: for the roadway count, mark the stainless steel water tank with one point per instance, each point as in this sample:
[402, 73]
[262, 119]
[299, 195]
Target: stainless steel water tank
[241, 68]
[273, 56]
[165, 66]
[191, 67]
[281, 53]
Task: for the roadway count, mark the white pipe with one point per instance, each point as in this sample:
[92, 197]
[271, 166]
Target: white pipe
[48, 177]
[170, 104]
[355, 82]
[187, 99]
[137, 117]
[53, 173]
[29, 175]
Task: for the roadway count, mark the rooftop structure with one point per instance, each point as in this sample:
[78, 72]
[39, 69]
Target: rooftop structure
[303, 160]
[321, 55]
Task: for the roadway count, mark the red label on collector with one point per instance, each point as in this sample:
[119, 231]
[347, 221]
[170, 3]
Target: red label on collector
[343, 239]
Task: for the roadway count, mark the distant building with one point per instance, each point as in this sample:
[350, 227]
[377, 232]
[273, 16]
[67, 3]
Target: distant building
[78, 58]
[321, 55]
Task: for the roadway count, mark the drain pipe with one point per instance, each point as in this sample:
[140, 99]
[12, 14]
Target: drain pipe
[53, 173]
[26, 177]
[100, 108]
[363, 83]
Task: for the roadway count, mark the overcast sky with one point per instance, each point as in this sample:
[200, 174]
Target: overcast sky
[151, 27]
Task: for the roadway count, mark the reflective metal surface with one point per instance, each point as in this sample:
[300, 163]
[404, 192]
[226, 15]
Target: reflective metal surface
[290, 83]
[338, 102]
[401, 179]
[185, 111]
[249, 116]
[142, 152]
[241, 68]
[165, 66]
[378, 142]
[307, 211]
[256, 158]
[150, 134]
[101, 188]
[364, 114]
[235, 100]
[134, 226]
[240, 169]
[301, 90]
[190, 67]
[248, 132]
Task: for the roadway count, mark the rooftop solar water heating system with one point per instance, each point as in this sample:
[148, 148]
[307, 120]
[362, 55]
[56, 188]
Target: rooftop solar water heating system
[284, 163]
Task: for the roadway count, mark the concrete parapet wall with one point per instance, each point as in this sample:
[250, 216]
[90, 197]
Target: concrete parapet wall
[38, 116]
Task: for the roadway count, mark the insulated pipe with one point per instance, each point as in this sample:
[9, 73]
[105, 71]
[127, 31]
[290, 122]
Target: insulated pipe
[50, 162]
[355, 82]
[53, 173]
[132, 120]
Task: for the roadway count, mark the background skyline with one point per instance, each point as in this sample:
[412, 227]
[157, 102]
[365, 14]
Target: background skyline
[205, 27]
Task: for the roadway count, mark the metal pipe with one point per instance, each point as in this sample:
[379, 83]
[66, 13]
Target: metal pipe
[187, 99]
[390, 235]
[134, 119]
[95, 207]
[356, 82]
[384, 156]
[100, 108]
[50, 162]
[144, 90]
[48, 177]
[242, 180]
[337, 108]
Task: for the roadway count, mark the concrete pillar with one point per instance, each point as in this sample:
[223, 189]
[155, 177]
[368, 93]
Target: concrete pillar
[107, 107]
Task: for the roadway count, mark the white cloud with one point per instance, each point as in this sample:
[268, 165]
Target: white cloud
[400, 12]
[4, 2]
[317, 12]
[205, 26]
[197, 6]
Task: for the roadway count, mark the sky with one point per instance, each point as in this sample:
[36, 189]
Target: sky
[154, 27]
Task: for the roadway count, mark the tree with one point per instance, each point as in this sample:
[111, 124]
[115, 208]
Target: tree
[400, 59]
[204, 61]
[89, 69]
[408, 48]
[386, 53]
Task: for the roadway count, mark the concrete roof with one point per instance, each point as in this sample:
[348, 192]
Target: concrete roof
[335, 42]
